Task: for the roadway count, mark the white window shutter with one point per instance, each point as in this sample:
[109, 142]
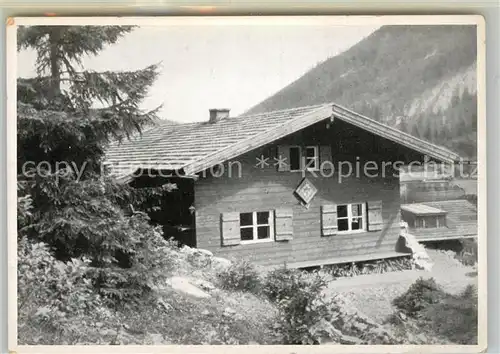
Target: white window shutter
[230, 229]
[375, 220]
[283, 224]
[329, 220]
[284, 156]
[325, 154]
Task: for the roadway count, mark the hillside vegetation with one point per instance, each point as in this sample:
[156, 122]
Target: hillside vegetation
[421, 79]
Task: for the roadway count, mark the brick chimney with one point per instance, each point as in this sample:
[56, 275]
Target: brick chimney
[217, 114]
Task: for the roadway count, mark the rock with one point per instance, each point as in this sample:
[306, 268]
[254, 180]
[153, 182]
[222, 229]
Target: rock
[419, 254]
[155, 339]
[203, 284]
[186, 250]
[204, 252]
[402, 316]
[199, 258]
[221, 263]
[108, 332]
[183, 285]
[422, 338]
[345, 339]
[229, 311]
[360, 326]
[164, 305]
[325, 332]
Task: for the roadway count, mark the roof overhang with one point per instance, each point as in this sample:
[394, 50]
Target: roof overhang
[157, 173]
[327, 111]
[432, 150]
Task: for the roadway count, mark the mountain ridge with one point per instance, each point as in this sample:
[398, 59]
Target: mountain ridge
[420, 79]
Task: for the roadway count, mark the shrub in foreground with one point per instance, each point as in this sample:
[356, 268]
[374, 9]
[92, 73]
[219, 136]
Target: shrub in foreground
[241, 275]
[57, 303]
[468, 253]
[439, 315]
[455, 317]
[422, 293]
[302, 307]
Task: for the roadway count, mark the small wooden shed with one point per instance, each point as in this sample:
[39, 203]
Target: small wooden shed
[441, 220]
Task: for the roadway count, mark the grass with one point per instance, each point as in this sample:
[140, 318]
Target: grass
[224, 318]
[244, 316]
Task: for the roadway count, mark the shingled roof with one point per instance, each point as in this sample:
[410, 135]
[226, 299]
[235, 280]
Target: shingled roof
[194, 147]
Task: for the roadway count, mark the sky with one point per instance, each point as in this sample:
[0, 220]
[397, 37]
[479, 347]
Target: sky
[207, 67]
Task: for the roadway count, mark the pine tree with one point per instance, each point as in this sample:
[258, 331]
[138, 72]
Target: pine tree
[62, 100]
[66, 117]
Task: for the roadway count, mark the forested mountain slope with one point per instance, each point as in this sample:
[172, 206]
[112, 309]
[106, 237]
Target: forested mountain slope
[421, 79]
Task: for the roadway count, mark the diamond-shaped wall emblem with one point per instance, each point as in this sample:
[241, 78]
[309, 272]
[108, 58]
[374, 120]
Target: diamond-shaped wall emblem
[306, 191]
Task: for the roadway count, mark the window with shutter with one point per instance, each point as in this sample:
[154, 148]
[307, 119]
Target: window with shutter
[329, 220]
[351, 218]
[230, 229]
[256, 226]
[283, 224]
[375, 220]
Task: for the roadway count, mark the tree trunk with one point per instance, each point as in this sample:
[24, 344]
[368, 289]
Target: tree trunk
[55, 72]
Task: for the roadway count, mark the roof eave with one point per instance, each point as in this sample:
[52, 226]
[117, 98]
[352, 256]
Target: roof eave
[393, 134]
[294, 125]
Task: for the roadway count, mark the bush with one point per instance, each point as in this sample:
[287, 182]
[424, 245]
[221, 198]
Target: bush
[303, 313]
[422, 293]
[281, 283]
[455, 317]
[468, 253]
[84, 219]
[242, 276]
[57, 303]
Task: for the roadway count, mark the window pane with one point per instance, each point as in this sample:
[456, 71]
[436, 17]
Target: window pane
[356, 224]
[310, 152]
[262, 232]
[246, 234]
[246, 219]
[357, 210]
[430, 221]
[343, 225]
[263, 217]
[294, 158]
[341, 211]
[311, 163]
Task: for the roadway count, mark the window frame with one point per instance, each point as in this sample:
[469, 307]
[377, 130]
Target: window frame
[316, 158]
[300, 157]
[423, 222]
[254, 226]
[349, 218]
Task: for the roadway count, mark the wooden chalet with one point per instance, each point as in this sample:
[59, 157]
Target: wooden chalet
[267, 186]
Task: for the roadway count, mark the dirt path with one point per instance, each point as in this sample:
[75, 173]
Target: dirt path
[373, 294]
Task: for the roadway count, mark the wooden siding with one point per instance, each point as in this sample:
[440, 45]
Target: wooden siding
[256, 189]
[429, 191]
[267, 191]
